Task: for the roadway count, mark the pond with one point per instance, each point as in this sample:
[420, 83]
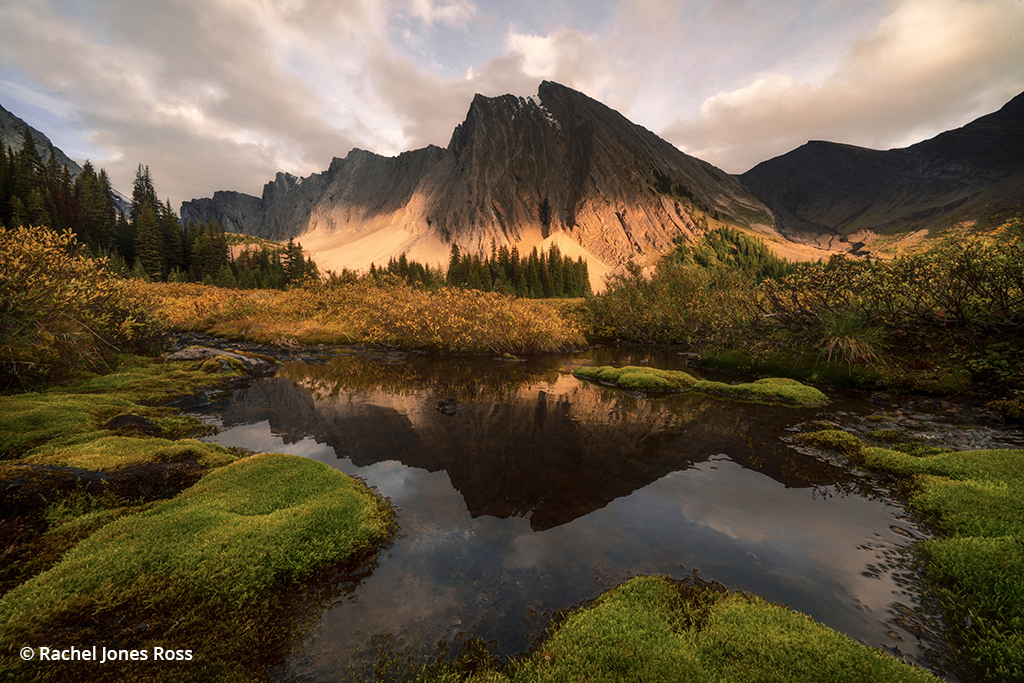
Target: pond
[523, 490]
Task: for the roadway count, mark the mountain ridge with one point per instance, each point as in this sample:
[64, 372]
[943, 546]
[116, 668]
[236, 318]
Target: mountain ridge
[558, 166]
[825, 190]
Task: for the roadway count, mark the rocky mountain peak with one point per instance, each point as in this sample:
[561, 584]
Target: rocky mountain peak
[517, 171]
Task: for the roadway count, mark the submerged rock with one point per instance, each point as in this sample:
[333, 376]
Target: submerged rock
[450, 406]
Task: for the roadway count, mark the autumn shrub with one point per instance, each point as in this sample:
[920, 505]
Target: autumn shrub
[962, 298]
[61, 311]
[959, 287]
[465, 321]
[390, 312]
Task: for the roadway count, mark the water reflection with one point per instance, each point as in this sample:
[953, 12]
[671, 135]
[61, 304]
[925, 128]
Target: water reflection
[530, 441]
[544, 490]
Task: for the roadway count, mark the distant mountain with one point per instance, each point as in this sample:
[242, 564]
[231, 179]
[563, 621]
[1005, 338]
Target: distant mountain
[12, 133]
[559, 166]
[823, 190]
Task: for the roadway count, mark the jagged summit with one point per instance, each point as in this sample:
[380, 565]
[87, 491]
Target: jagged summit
[518, 170]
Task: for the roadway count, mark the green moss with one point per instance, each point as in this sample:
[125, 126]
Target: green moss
[150, 382]
[833, 440]
[666, 381]
[888, 435]
[65, 416]
[976, 499]
[653, 629]
[110, 452]
[978, 579]
[28, 420]
[212, 561]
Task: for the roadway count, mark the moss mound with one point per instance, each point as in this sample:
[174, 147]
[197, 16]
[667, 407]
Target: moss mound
[667, 381]
[655, 629]
[976, 499]
[212, 561]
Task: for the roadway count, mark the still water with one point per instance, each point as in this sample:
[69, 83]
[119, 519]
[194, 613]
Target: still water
[533, 491]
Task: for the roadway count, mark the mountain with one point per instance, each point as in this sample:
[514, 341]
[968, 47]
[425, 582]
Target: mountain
[12, 133]
[557, 167]
[824, 191]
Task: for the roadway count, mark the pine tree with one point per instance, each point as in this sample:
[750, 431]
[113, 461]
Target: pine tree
[148, 243]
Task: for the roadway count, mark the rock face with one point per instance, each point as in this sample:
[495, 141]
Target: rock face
[516, 171]
[826, 189]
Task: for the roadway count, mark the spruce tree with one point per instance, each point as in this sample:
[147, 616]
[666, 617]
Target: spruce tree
[148, 243]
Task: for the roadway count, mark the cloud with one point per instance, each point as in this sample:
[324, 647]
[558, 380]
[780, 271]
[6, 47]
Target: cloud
[194, 87]
[457, 13]
[221, 94]
[926, 66]
[574, 58]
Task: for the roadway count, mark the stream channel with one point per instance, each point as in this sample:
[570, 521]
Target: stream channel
[522, 491]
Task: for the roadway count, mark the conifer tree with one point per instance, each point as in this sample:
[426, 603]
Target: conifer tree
[148, 243]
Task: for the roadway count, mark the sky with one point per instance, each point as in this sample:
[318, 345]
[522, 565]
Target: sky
[222, 94]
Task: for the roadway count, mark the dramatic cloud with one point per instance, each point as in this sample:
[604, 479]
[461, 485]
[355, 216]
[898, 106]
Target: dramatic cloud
[926, 66]
[221, 94]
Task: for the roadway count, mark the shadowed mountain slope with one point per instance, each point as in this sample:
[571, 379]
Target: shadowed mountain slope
[823, 189]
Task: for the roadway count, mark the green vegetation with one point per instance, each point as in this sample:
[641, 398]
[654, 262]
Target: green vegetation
[110, 560]
[37, 423]
[928, 321]
[730, 249]
[541, 275]
[833, 440]
[655, 380]
[111, 452]
[975, 500]
[654, 629]
[210, 561]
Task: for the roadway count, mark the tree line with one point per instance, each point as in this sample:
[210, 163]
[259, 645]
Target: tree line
[539, 275]
[150, 242]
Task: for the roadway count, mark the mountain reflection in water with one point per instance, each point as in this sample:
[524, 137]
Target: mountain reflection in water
[557, 489]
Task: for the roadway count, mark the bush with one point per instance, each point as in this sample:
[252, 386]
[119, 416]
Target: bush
[61, 312]
[390, 312]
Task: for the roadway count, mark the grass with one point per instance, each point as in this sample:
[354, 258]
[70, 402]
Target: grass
[391, 313]
[203, 570]
[656, 380]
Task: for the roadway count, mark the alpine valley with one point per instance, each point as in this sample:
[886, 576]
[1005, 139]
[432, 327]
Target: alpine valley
[560, 167]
